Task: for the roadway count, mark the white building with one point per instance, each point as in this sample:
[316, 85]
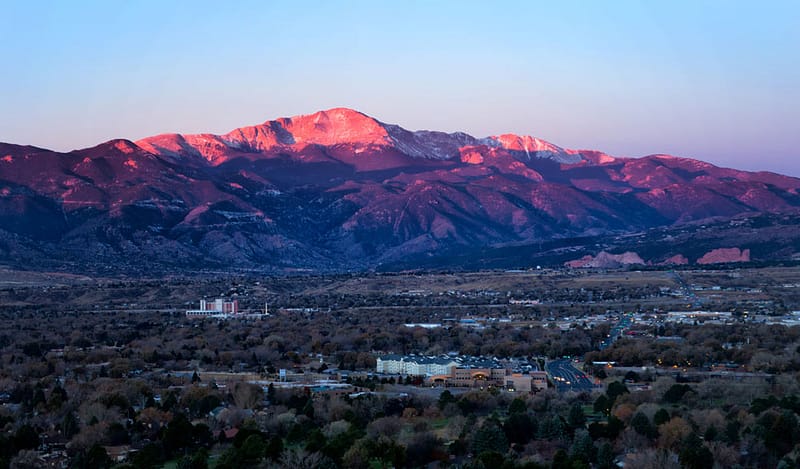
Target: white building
[413, 365]
[217, 308]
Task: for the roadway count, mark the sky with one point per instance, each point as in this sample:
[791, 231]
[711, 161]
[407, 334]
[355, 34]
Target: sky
[713, 80]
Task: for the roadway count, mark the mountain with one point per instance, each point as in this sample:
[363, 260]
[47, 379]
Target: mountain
[338, 190]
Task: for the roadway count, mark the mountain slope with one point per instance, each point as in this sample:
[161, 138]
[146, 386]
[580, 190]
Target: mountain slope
[339, 190]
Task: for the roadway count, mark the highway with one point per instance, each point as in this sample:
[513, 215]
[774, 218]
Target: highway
[616, 331]
[568, 378]
[688, 293]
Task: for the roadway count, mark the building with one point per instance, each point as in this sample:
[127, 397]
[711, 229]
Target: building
[462, 371]
[218, 308]
[538, 380]
[534, 382]
[474, 377]
[414, 365]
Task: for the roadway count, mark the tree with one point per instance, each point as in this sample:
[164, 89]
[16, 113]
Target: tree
[489, 437]
[295, 458]
[97, 457]
[673, 433]
[151, 456]
[694, 454]
[117, 434]
[660, 417]
[780, 431]
[198, 460]
[69, 426]
[561, 460]
[446, 397]
[358, 456]
[576, 417]
[229, 459]
[616, 389]
[170, 402]
[246, 395]
[491, 459]
[58, 396]
[603, 404]
[732, 428]
[551, 427]
[711, 433]
[653, 459]
[177, 435]
[642, 425]
[421, 450]
[676, 392]
[252, 450]
[519, 428]
[605, 456]
[274, 448]
[582, 447]
[517, 406]
[26, 437]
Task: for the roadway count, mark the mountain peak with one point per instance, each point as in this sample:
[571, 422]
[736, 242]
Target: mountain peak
[343, 126]
[333, 127]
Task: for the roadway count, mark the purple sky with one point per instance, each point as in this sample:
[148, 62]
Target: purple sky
[718, 81]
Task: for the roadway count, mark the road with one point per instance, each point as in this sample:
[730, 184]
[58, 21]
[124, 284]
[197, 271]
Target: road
[688, 293]
[616, 331]
[568, 378]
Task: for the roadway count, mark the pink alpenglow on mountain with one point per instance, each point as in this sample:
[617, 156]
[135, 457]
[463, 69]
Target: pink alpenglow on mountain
[724, 255]
[340, 190]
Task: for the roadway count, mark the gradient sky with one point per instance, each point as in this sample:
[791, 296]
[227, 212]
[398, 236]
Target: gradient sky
[718, 81]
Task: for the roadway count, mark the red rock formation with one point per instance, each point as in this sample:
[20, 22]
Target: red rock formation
[724, 255]
[677, 259]
[605, 260]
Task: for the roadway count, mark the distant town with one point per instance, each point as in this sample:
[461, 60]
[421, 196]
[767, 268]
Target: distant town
[403, 370]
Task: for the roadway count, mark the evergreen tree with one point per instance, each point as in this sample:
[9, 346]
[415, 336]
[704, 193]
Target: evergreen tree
[694, 455]
[602, 404]
[517, 406]
[576, 417]
[446, 397]
[582, 447]
[519, 428]
[69, 426]
[660, 417]
[605, 456]
[489, 437]
[642, 425]
[96, 458]
[616, 389]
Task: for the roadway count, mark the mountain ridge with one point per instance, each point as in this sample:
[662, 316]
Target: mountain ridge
[340, 190]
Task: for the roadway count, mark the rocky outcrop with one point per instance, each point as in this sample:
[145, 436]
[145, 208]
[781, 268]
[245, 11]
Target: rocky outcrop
[677, 259]
[605, 260]
[725, 255]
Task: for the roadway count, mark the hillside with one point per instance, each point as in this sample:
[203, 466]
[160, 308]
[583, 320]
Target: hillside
[338, 190]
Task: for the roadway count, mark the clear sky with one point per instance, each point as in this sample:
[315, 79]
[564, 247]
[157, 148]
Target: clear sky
[714, 80]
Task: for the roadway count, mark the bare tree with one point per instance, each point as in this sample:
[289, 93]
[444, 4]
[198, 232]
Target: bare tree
[246, 395]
